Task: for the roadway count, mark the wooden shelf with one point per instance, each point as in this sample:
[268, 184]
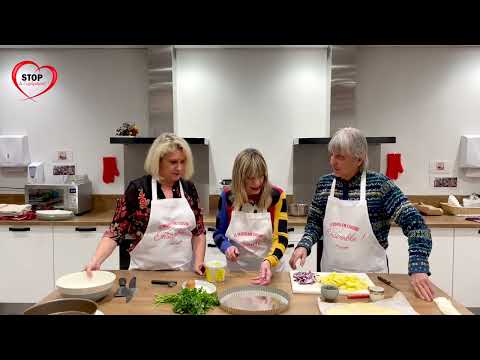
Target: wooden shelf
[126, 140]
[326, 140]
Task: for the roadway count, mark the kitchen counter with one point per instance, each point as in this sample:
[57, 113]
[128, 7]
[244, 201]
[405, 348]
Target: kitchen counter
[92, 218]
[300, 304]
[104, 217]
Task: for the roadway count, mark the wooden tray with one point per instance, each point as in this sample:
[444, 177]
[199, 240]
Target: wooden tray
[460, 211]
[428, 209]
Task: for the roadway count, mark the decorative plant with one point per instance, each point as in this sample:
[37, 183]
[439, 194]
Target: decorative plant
[127, 130]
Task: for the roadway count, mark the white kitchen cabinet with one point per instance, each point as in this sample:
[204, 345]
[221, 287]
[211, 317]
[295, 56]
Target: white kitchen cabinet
[441, 257]
[74, 246]
[27, 263]
[466, 272]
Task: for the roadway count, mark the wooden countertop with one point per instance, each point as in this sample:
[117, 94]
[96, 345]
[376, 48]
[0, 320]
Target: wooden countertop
[104, 217]
[92, 218]
[300, 304]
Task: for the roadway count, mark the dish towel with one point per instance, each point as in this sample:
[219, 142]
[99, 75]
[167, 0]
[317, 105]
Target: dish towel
[110, 169]
[394, 165]
[14, 209]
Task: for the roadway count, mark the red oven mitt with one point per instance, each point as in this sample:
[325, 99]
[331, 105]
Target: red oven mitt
[110, 169]
[394, 165]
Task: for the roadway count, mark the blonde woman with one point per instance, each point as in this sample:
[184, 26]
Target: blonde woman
[161, 210]
[251, 225]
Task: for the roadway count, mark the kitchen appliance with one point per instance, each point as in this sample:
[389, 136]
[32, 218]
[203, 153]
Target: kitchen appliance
[297, 209]
[14, 151]
[36, 173]
[76, 197]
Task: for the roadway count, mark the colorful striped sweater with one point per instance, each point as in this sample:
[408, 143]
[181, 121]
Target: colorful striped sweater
[385, 202]
[279, 217]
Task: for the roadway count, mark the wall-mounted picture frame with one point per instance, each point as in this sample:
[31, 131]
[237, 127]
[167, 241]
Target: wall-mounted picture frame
[445, 182]
[63, 169]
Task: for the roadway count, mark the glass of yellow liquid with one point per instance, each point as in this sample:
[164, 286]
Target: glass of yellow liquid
[215, 271]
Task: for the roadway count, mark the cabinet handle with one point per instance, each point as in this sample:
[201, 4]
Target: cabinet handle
[290, 229]
[211, 245]
[211, 229]
[19, 229]
[290, 245]
[86, 229]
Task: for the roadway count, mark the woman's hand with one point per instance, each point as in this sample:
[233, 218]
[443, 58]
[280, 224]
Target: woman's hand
[265, 275]
[422, 286]
[232, 253]
[92, 266]
[300, 253]
[199, 268]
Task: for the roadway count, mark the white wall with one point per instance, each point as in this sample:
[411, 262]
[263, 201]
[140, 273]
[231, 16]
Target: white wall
[425, 96]
[97, 90]
[261, 98]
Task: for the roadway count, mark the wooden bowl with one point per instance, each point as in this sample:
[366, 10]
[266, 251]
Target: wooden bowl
[71, 306]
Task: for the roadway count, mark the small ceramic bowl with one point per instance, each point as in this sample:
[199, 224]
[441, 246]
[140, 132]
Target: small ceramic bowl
[329, 292]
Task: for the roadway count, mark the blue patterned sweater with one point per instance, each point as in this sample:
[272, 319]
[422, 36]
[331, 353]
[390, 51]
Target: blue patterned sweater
[385, 202]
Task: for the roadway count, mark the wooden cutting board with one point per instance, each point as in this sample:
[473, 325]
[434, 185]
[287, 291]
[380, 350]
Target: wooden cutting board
[315, 288]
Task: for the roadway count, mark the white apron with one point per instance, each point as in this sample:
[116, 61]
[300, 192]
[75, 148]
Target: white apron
[251, 233]
[349, 244]
[167, 242]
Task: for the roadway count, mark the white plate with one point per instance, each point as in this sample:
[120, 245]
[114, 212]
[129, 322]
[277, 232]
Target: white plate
[200, 284]
[79, 285]
[54, 214]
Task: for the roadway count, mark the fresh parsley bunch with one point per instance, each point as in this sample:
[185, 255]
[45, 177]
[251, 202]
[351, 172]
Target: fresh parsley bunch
[189, 301]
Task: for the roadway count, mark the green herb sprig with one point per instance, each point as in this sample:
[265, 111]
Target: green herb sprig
[189, 301]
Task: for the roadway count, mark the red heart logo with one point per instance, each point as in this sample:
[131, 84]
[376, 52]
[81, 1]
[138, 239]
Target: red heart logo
[28, 62]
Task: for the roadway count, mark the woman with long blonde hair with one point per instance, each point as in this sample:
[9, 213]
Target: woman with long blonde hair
[251, 224]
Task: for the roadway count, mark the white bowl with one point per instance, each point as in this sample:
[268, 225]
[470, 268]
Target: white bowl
[200, 284]
[79, 285]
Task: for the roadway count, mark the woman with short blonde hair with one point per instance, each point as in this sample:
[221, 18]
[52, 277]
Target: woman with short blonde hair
[165, 144]
[251, 228]
[161, 211]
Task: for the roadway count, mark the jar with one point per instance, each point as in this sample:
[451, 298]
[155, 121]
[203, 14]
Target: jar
[376, 293]
[215, 271]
